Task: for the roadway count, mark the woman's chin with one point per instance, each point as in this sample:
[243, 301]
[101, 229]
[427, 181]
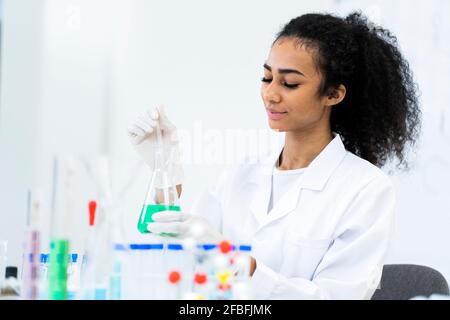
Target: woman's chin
[276, 127]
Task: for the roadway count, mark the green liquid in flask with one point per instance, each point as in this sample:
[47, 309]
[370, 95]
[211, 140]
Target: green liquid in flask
[147, 213]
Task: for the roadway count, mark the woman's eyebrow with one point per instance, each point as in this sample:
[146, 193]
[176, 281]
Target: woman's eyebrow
[284, 71]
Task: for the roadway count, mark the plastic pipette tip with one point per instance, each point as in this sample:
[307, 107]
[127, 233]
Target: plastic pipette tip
[225, 247]
[92, 207]
[200, 278]
[174, 277]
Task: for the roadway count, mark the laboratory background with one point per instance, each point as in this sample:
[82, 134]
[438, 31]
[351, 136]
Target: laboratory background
[76, 73]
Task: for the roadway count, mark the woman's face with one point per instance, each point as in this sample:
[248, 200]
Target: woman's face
[290, 89]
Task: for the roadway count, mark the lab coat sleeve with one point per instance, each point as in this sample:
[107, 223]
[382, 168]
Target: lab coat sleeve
[352, 266]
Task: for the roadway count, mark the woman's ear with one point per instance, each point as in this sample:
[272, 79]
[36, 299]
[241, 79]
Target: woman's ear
[335, 96]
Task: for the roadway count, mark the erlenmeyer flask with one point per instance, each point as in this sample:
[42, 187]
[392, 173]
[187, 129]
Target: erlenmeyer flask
[162, 193]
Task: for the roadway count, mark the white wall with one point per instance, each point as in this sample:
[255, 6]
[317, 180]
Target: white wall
[423, 216]
[20, 95]
[82, 70]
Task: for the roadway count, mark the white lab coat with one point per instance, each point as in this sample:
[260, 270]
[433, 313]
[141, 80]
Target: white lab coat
[326, 238]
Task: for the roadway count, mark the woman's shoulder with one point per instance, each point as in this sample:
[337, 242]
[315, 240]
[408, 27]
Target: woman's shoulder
[352, 170]
[361, 171]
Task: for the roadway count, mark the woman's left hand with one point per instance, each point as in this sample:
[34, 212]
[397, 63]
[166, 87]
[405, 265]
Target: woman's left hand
[184, 225]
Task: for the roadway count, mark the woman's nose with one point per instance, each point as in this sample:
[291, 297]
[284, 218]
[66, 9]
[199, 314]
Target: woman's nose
[271, 95]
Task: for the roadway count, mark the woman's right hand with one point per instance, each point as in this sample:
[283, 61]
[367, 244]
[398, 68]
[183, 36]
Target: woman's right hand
[144, 138]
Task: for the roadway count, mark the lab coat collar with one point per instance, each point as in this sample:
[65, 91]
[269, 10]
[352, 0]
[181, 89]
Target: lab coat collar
[319, 171]
[314, 178]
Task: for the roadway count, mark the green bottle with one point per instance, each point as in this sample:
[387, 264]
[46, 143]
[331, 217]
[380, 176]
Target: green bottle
[57, 273]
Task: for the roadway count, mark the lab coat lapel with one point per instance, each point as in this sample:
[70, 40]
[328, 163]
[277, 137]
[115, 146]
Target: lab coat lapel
[286, 204]
[259, 203]
[321, 168]
[314, 178]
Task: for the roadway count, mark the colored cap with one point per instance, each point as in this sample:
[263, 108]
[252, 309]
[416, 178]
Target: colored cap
[140, 246]
[92, 207]
[245, 248]
[119, 247]
[207, 246]
[174, 246]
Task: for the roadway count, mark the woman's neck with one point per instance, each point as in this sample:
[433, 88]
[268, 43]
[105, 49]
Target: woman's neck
[301, 148]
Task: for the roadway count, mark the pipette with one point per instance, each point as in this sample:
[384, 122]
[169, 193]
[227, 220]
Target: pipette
[160, 154]
[87, 271]
[159, 133]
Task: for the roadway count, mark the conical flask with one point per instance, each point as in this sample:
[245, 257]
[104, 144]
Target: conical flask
[162, 193]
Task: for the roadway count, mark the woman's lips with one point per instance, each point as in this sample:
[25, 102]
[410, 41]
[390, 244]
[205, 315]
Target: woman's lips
[275, 115]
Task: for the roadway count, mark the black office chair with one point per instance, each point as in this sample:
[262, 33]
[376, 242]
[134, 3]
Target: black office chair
[405, 281]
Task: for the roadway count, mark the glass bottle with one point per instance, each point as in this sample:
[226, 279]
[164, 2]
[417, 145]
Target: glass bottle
[161, 195]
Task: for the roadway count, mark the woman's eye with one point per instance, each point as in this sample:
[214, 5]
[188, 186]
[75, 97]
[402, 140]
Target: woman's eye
[290, 86]
[287, 85]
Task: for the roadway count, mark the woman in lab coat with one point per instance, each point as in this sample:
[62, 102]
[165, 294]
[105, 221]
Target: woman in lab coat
[318, 212]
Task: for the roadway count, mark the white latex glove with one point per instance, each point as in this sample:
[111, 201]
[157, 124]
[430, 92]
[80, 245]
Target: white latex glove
[143, 136]
[184, 225]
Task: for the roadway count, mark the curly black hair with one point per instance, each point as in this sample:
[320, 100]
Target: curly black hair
[380, 114]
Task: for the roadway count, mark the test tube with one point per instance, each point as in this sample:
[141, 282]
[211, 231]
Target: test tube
[241, 260]
[43, 268]
[147, 271]
[154, 282]
[203, 280]
[73, 277]
[30, 285]
[133, 287]
[30, 267]
[175, 257]
[57, 276]
[116, 278]
[59, 225]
